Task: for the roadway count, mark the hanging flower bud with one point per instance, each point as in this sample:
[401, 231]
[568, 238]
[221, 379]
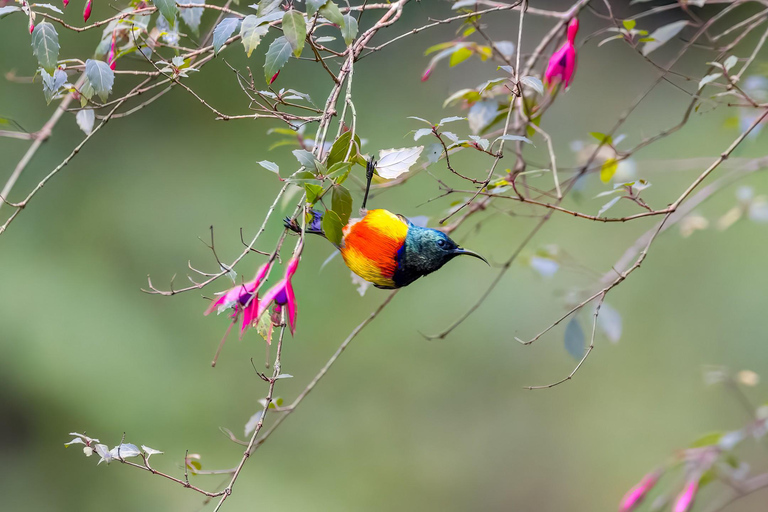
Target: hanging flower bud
[87, 10]
[274, 77]
[685, 499]
[31, 26]
[65, 2]
[562, 64]
[111, 56]
[636, 494]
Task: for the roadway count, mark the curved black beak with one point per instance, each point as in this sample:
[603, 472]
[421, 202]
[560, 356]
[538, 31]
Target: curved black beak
[459, 251]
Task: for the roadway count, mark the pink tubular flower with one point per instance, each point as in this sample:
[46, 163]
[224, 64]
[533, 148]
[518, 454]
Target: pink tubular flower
[636, 494]
[87, 10]
[282, 295]
[65, 2]
[31, 26]
[562, 64]
[685, 498]
[241, 298]
[111, 56]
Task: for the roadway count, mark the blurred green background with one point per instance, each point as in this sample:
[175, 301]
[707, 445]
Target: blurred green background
[401, 423]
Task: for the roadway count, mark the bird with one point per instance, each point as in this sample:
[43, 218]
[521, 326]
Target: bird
[387, 249]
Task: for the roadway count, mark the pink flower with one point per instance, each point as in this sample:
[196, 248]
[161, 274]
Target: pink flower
[685, 498]
[562, 64]
[274, 77]
[111, 56]
[636, 494]
[31, 26]
[427, 73]
[241, 299]
[282, 295]
[65, 2]
[87, 10]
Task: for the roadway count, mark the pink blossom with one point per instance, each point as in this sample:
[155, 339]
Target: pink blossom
[562, 64]
[282, 295]
[241, 299]
[111, 56]
[636, 494]
[684, 500]
[65, 2]
[31, 26]
[87, 10]
[427, 73]
[274, 77]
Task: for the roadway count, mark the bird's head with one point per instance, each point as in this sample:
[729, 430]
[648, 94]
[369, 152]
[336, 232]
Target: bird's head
[426, 250]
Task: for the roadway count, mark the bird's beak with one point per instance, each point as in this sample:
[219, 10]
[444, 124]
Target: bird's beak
[459, 251]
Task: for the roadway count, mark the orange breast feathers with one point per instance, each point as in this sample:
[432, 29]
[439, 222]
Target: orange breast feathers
[371, 244]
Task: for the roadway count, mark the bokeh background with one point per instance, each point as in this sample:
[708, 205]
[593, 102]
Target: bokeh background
[401, 423]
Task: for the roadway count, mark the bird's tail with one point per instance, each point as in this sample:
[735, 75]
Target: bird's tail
[314, 225]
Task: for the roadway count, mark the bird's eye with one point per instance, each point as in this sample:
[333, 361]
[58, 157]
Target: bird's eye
[441, 243]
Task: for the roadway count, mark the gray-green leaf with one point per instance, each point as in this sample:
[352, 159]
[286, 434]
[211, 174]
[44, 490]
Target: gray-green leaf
[663, 34]
[341, 203]
[193, 15]
[100, 76]
[277, 55]
[251, 33]
[331, 12]
[314, 5]
[294, 30]
[85, 119]
[574, 339]
[268, 6]
[168, 9]
[45, 46]
[349, 30]
[223, 31]
[306, 159]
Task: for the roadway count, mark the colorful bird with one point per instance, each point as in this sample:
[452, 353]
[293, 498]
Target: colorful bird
[387, 249]
[562, 64]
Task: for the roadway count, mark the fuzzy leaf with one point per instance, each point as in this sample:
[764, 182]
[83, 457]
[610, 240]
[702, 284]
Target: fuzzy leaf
[277, 55]
[331, 12]
[394, 162]
[574, 339]
[663, 34]
[314, 5]
[223, 31]
[192, 16]
[534, 83]
[45, 46]
[85, 119]
[267, 7]
[349, 30]
[609, 322]
[306, 159]
[251, 33]
[100, 76]
[294, 30]
[168, 9]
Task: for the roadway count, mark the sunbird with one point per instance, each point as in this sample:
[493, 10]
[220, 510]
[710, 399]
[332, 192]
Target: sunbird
[387, 249]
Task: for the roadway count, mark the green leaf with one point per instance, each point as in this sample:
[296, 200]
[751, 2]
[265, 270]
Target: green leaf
[168, 9]
[267, 7]
[314, 5]
[277, 55]
[8, 9]
[100, 76]
[306, 159]
[709, 78]
[609, 168]
[663, 34]
[302, 177]
[331, 12]
[192, 16]
[707, 440]
[349, 30]
[339, 171]
[574, 339]
[534, 83]
[295, 31]
[341, 146]
[730, 62]
[45, 46]
[223, 31]
[270, 166]
[332, 227]
[251, 33]
[629, 24]
[459, 56]
[314, 192]
[341, 203]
